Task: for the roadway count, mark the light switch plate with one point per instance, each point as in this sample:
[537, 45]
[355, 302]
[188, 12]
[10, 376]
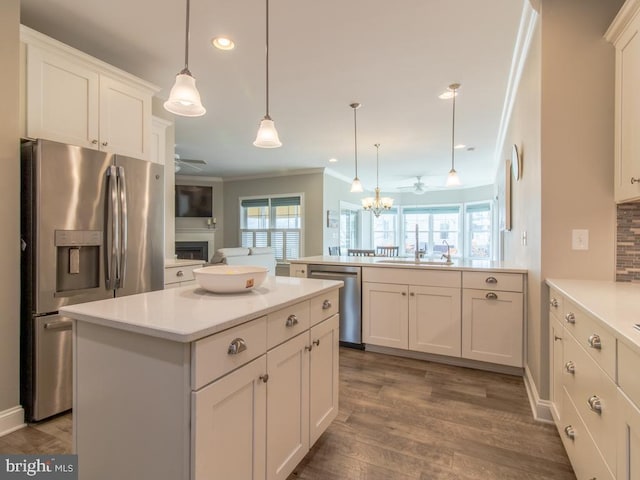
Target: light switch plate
[580, 239]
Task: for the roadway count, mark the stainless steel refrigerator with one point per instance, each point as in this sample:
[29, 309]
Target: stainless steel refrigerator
[92, 228]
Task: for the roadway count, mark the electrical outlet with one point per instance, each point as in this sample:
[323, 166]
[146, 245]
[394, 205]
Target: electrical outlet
[580, 239]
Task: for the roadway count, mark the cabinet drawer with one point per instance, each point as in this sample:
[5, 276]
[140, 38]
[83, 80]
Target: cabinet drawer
[589, 382]
[179, 274]
[412, 276]
[213, 356]
[287, 323]
[556, 301]
[323, 306]
[508, 282]
[628, 366]
[586, 459]
[588, 332]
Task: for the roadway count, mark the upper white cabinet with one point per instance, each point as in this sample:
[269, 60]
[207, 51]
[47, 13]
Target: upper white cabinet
[624, 34]
[73, 98]
[158, 140]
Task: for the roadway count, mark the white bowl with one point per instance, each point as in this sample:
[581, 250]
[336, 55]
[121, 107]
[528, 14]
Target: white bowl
[230, 278]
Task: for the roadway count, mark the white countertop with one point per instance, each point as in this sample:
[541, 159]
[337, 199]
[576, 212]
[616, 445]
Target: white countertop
[487, 265]
[615, 304]
[180, 262]
[189, 313]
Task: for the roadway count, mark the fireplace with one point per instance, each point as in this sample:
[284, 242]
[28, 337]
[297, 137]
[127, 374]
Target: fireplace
[193, 250]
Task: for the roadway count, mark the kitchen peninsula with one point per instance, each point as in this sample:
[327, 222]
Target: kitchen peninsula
[183, 383]
[470, 313]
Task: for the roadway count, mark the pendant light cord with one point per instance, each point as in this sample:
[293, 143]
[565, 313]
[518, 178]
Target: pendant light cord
[267, 60]
[186, 43]
[355, 136]
[453, 128]
[377, 145]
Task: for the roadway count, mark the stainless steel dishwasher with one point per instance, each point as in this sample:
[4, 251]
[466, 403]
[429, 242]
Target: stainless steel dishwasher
[350, 300]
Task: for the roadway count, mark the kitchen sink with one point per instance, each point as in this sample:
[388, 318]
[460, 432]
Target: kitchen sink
[409, 261]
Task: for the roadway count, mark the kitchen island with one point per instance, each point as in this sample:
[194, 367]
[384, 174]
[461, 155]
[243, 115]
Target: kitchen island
[470, 313]
[188, 384]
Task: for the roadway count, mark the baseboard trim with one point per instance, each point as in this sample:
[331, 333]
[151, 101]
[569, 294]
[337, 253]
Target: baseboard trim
[541, 409]
[11, 420]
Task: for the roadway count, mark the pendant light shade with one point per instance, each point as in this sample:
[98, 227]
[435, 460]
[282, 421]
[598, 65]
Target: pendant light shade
[453, 180]
[184, 98]
[356, 186]
[377, 204]
[267, 134]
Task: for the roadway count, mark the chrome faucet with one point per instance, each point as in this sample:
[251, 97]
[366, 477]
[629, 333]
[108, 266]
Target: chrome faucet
[417, 252]
[447, 256]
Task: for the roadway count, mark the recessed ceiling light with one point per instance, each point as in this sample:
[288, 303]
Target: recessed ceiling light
[223, 43]
[333, 160]
[459, 146]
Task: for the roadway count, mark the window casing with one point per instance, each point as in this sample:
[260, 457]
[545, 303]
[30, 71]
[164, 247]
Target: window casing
[273, 222]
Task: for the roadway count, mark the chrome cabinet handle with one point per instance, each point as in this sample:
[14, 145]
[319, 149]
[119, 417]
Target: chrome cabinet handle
[491, 296]
[236, 346]
[570, 317]
[292, 320]
[264, 378]
[413, 294]
[404, 294]
[104, 144]
[491, 280]
[570, 432]
[308, 347]
[595, 342]
[180, 273]
[570, 367]
[556, 337]
[554, 302]
[316, 342]
[326, 304]
[94, 142]
[595, 404]
[635, 180]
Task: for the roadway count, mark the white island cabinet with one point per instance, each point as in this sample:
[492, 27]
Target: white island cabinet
[187, 384]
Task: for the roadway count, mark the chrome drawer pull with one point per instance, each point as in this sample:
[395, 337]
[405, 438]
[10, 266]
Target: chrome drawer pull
[570, 317]
[180, 273]
[236, 346]
[292, 320]
[595, 404]
[570, 367]
[491, 296]
[595, 342]
[326, 305]
[491, 280]
[635, 180]
[316, 342]
[264, 378]
[556, 337]
[308, 347]
[553, 302]
[570, 432]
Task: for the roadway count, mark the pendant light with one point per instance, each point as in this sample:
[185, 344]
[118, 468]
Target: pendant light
[267, 134]
[184, 98]
[453, 180]
[356, 186]
[377, 205]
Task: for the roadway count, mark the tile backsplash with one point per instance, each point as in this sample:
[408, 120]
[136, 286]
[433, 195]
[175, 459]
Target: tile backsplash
[628, 243]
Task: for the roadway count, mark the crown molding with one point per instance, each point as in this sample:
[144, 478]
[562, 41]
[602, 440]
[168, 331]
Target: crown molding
[627, 13]
[285, 173]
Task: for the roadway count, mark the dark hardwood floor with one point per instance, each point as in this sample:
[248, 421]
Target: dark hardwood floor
[404, 419]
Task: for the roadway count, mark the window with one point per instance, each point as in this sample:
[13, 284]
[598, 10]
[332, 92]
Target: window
[384, 229]
[274, 222]
[349, 229]
[478, 230]
[435, 225]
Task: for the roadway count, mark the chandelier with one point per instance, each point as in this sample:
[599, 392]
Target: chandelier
[378, 204]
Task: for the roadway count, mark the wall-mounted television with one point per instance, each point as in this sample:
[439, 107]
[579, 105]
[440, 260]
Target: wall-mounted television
[194, 201]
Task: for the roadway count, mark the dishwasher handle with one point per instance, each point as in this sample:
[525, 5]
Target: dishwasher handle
[332, 274]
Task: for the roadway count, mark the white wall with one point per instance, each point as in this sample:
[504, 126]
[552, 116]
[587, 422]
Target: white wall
[9, 208]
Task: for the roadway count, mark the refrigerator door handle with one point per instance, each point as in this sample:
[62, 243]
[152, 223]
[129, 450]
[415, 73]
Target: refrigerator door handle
[122, 194]
[111, 252]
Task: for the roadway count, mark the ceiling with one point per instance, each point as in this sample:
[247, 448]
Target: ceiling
[395, 58]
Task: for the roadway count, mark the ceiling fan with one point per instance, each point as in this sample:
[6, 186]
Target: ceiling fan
[418, 187]
[185, 162]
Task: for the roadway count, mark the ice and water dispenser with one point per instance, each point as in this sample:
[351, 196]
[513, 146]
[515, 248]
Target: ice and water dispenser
[77, 259]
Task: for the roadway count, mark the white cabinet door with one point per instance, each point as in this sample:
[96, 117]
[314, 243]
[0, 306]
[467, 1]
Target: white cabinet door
[557, 365]
[229, 425]
[627, 142]
[287, 406]
[125, 119]
[628, 439]
[435, 320]
[62, 99]
[385, 310]
[323, 377]
[492, 324]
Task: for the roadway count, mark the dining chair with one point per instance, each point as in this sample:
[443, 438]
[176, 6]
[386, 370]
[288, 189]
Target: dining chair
[387, 251]
[358, 252]
[333, 251]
